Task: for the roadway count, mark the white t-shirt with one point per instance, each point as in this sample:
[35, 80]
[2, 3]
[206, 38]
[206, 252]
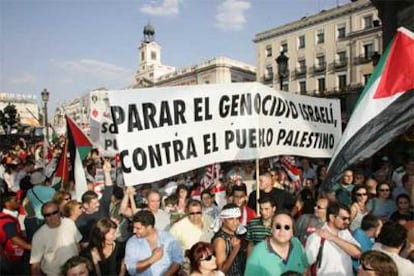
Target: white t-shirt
[52, 247]
[405, 267]
[335, 261]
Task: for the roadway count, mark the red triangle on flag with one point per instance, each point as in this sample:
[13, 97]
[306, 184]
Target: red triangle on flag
[79, 138]
[398, 74]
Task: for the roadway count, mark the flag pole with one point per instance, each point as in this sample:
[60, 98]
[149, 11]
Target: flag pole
[257, 185]
[65, 152]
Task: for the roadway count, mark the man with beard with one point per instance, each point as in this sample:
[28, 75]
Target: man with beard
[332, 247]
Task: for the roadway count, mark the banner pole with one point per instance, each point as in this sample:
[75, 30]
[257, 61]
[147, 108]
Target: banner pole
[257, 186]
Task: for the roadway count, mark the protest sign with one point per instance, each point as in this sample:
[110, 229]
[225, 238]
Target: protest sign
[165, 131]
[100, 119]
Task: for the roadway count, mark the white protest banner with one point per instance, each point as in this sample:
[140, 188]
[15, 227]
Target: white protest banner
[165, 131]
[100, 121]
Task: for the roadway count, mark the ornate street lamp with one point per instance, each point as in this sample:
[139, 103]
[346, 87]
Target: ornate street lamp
[282, 67]
[45, 99]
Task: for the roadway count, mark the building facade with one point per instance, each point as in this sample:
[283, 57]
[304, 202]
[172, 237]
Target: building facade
[331, 54]
[26, 106]
[152, 72]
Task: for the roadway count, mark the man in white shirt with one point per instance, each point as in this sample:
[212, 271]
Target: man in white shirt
[338, 247]
[54, 243]
[390, 241]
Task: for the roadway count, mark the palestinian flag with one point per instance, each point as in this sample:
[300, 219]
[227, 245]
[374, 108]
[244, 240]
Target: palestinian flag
[61, 175]
[384, 110]
[79, 147]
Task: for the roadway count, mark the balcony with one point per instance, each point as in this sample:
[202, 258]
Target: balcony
[363, 59]
[300, 72]
[266, 79]
[340, 64]
[319, 68]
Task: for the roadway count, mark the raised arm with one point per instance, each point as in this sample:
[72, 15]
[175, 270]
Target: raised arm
[124, 208]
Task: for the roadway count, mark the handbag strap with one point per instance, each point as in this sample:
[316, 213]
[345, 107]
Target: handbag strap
[33, 191]
[320, 252]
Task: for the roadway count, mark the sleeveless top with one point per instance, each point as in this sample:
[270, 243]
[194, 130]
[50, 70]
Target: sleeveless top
[356, 222]
[237, 268]
[111, 265]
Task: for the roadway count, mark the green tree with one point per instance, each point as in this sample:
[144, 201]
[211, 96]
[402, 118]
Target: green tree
[9, 118]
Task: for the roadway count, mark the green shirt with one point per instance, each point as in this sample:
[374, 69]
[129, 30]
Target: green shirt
[264, 261]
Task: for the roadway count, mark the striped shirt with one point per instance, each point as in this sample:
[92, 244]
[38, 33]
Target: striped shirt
[256, 231]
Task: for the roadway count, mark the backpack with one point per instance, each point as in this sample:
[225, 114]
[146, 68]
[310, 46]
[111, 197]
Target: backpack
[10, 251]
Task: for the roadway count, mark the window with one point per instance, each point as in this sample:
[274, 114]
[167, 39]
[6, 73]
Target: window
[320, 62]
[368, 50]
[368, 22]
[321, 85]
[153, 55]
[320, 36]
[341, 57]
[284, 47]
[302, 87]
[269, 72]
[342, 82]
[301, 41]
[142, 56]
[302, 66]
[268, 51]
[341, 31]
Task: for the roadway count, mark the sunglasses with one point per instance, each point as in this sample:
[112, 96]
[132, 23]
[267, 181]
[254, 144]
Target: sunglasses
[195, 213]
[366, 268]
[46, 215]
[361, 194]
[384, 190]
[279, 226]
[208, 258]
[344, 218]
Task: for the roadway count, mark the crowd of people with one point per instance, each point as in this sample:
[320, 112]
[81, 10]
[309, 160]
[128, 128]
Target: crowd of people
[188, 225]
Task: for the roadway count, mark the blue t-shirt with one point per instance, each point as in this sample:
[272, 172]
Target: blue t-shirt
[365, 242]
[39, 195]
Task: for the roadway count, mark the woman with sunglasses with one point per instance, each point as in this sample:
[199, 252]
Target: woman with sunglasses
[73, 210]
[358, 206]
[61, 198]
[202, 260]
[382, 206]
[280, 252]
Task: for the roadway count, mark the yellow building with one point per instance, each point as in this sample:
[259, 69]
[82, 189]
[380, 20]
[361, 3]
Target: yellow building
[330, 53]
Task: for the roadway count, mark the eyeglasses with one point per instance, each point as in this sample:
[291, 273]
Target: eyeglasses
[364, 267]
[195, 213]
[319, 207]
[384, 190]
[279, 226]
[46, 215]
[361, 194]
[208, 258]
[344, 218]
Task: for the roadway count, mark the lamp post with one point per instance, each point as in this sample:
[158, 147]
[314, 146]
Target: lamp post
[45, 99]
[282, 67]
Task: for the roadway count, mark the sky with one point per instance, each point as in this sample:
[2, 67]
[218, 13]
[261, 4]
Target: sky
[71, 47]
